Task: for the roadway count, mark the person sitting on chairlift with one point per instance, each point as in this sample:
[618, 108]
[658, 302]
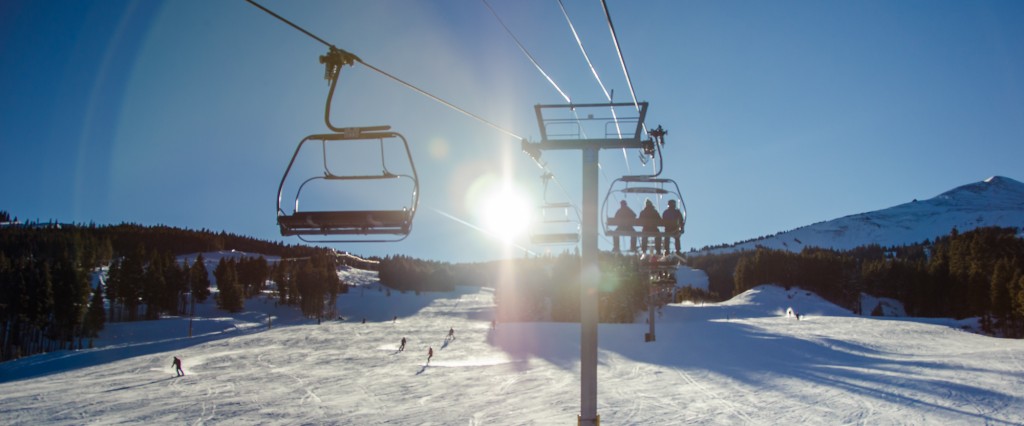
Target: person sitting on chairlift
[622, 216]
[649, 218]
[673, 225]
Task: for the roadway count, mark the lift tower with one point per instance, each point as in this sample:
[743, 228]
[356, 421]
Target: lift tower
[588, 128]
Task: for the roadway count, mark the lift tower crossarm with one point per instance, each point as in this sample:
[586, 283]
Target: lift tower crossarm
[563, 141]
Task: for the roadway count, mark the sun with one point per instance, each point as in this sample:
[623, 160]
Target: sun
[506, 214]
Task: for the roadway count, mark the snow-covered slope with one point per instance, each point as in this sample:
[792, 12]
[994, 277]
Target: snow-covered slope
[996, 201]
[737, 362]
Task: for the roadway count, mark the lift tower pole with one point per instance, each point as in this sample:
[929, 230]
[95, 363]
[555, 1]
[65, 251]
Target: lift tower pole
[567, 132]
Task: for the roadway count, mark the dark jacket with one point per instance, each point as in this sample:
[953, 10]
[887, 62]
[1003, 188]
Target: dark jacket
[649, 213]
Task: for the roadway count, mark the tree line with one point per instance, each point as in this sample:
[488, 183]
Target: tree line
[548, 289]
[310, 283]
[48, 300]
[979, 273]
[532, 289]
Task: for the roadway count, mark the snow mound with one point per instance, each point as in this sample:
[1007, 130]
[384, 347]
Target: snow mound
[773, 300]
[689, 277]
[889, 307]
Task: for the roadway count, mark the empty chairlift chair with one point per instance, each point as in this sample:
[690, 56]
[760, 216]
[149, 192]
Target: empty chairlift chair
[557, 225]
[339, 217]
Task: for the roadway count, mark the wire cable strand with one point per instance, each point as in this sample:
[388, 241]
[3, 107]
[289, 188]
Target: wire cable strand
[525, 52]
[441, 101]
[622, 60]
[392, 77]
[303, 30]
[597, 77]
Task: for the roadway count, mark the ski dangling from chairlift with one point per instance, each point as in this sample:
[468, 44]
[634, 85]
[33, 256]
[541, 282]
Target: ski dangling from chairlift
[334, 172]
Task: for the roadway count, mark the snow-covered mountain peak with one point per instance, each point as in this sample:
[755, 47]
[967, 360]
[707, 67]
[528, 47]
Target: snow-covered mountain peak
[996, 201]
[996, 190]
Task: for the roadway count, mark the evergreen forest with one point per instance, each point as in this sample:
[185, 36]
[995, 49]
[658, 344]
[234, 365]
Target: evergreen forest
[49, 299]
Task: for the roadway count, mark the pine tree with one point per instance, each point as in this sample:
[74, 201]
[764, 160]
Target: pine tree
[229, 297]
[131, 278]
[1002, 282]
[94, 316]
[153, 286]
[199, 280]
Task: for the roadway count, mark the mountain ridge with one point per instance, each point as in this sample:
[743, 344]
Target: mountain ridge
[995, 201]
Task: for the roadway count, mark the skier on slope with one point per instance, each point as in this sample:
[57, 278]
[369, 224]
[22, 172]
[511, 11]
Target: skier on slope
[430, 353]
[451, 333]
[177, 366]
[402, 346]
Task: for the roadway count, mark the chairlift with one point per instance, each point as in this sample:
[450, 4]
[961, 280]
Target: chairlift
[339, 217]
[364, 225]
[557, 223]
[635, 191]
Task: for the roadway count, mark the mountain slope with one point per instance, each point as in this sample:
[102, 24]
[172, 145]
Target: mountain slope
[736, 362]
[996, 201]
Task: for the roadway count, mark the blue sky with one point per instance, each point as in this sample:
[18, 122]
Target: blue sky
[780, 114]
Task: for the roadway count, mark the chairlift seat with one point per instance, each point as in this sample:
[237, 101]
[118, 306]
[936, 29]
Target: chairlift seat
[627, 227]
[559, 238]
[356, 222]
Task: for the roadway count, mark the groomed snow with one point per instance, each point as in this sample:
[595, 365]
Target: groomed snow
[738, 362]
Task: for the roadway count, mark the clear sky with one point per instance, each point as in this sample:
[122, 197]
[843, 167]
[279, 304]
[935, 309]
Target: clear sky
[780, 114]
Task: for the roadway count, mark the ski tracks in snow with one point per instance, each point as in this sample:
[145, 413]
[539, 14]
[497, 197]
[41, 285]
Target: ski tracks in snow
[723, 402]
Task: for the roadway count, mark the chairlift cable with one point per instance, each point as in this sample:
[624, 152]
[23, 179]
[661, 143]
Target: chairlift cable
[584, 51]
[303, 30]
[540, 69]
[441, 101]
[525, 52]
[533, 60]
[388, 75]
[622, 60]
[597, 77]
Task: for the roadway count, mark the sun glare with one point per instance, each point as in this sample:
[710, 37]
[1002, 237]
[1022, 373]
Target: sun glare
[506, 214]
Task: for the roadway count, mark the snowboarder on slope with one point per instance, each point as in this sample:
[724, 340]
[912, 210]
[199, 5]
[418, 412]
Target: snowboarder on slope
[177, 366]
[402, 346]
[430, 354]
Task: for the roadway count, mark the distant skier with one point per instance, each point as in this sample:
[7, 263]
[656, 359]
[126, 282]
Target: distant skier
[402, 346]
[177, 366]
[430, 354]
[451, 334]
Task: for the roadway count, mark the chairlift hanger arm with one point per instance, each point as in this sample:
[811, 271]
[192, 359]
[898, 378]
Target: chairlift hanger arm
[333, 61]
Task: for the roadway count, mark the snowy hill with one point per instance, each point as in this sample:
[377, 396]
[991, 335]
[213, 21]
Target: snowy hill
[996, 201]
[738, 362]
